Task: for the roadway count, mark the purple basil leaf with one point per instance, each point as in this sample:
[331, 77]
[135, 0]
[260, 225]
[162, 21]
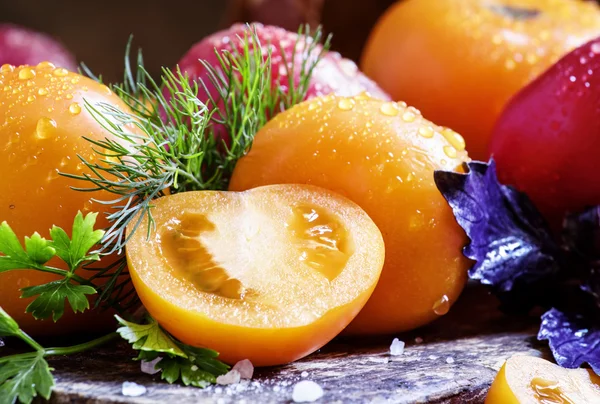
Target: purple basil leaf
[573, 338]
[510, 241]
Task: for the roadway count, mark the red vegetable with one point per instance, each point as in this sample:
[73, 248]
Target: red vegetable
[547, 140]
[22, 46]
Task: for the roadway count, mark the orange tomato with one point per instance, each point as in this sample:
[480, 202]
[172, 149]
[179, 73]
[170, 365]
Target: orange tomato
[270, 275]
[43, 119]
[459, 61]
[382, 156]
[527, 379]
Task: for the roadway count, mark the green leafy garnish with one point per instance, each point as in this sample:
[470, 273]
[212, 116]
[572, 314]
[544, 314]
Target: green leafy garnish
[197, 367]
[74, 251]
[26, 375]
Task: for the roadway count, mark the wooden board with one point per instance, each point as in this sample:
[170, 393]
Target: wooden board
[456, 361]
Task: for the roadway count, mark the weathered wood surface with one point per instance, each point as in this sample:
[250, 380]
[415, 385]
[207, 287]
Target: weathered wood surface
[456, 361]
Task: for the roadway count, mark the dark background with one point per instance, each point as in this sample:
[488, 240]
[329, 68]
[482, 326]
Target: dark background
[97, 31]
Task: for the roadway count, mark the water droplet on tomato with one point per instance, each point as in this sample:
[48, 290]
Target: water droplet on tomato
[64, 161]
[409, 116]
[26, 73]
[52, 175]
[389, 109]
[60, 72]
[346, 104]
[74, 108]
[442, 306]
[45, 128]
[595, 47]
[6, 68]
[43, 91]
[450, 151]
[426, 131]
[46, 65]
[365, 95]
[31, 98]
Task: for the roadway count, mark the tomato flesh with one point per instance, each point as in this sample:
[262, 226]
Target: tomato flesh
[531, 380]
[270, 274]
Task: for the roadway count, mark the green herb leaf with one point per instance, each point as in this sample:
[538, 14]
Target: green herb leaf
[74, 251]
[15, 257]
[148, 337]
[51, 297]
[8, 326]
[23, 377]
[197, 367]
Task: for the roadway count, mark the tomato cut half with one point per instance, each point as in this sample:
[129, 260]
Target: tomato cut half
[270, 274]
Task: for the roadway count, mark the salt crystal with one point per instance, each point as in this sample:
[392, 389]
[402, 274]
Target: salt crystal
[304, 374]
[276, 388]
[397, 347]
[149, 367]
[433, 357]
[218, 390]
[131, 389]
[245, 368]
[449, 360]
[231, 377]
[306, 391]
[418, 340]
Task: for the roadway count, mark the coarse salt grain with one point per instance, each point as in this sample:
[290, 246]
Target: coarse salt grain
[304, 374]
[245, 368]
[306, 391]
[231, 377]
[149, 367]
[131, 389]
[449, 360]
[397, 347]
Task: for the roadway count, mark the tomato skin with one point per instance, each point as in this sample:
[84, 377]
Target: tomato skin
[289, 308]
[547, 140]
[459, 61]
[44, 118]
[381, 156]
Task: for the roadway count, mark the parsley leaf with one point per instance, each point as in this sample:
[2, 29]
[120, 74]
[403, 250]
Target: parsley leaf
[23, 377]
[51, 298]
[74, 251]
[8, 326]
[196, 367]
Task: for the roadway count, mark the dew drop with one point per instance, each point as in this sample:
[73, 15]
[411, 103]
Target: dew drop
[595, 47]
[26, 73]
[75, 80]
[456, 140]
[43, 91]
[46, 65]
[45, 128]
[389, 109]
[87, 206]
[6, 68]
[7, 88]
[64, 161]
[450, 151]
[31, 98]
[426, 131]
[409, 116]
[313, 105]
[346, 104]
[572, 79]
[69, 96]
[74, 108]
[52, 175]
[60, 72]
[442, 306]
[365, 95]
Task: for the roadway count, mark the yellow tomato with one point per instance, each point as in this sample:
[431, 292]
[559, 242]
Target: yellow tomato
[43, 118]
[382, 156]
[531, 380]
[270, 275]
[460, 61]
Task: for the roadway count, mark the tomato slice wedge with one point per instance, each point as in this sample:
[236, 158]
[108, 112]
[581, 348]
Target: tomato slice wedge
[270, 274]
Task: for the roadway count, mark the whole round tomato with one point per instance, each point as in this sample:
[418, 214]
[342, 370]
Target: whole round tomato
[270, 275]
[43, 120]
[382, 156]
[459, 61]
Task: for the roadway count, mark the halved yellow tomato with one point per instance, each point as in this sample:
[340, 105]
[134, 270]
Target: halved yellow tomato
[271, 274]
[381, 155]
[527, 379]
